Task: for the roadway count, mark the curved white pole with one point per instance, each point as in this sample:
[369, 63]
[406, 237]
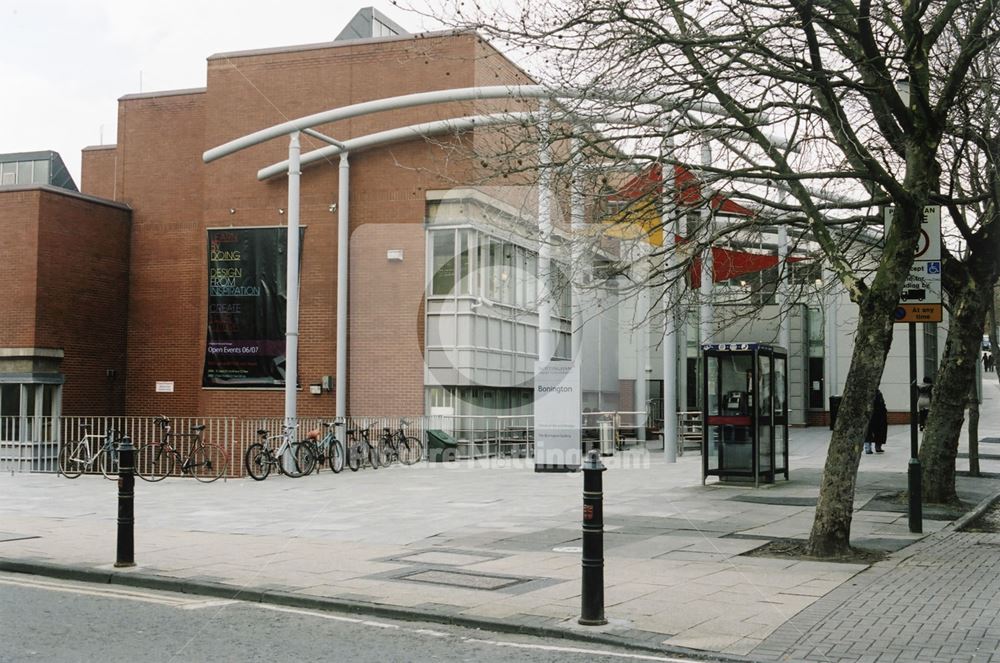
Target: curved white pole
[292, 305]
[343, 258]
[398, 135]
[425, 130]
[707, 268]
[544, 280]
[443, 96]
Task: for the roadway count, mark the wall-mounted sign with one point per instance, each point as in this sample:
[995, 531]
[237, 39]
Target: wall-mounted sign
[164, 387]
[247, 300]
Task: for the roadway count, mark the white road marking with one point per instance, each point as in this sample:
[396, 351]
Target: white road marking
[188, 604]
[112, 592]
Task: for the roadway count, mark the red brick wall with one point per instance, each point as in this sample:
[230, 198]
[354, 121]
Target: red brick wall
[18, 261]
[83, 262]
[176, 197]
[159, 171]
[98, 171]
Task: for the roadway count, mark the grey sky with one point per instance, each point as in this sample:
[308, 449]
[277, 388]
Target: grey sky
[68, 61]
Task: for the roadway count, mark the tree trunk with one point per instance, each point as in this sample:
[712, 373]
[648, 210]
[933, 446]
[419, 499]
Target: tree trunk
[831, 530]
[954, 380]
[973, 435]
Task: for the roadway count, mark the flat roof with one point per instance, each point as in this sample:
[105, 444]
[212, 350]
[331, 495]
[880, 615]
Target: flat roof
[340, 44]
[48, 188]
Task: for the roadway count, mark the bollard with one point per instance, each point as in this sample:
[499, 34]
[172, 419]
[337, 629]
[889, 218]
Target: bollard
[592, 589]
[126, 504]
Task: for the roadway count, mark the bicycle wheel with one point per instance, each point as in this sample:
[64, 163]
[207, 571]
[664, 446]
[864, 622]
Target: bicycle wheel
[72, 459]
[306, 456]
[373, 455]
[388, 452]
[411, 450]
[207, 462]
[336, 456]
[153, 462]
[257, 461]
[108, 463]
[296, 462]
[354, 457]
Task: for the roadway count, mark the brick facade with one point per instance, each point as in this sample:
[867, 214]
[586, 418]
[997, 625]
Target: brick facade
[156, 168]
[64, 265]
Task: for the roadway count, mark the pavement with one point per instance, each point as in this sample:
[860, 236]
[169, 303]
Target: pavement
[492, 544]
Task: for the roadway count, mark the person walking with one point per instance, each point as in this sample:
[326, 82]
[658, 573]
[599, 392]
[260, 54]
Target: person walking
[878, 425]
[924, 393]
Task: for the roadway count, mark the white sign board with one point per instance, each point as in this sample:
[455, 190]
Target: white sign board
[920, 299]
[164, 387]
[557, 416]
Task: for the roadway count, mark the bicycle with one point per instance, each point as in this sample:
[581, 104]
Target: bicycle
[328, 449]
[261, 457]
[77, 457]
[398, 446]
[205, 461]
[359, 446]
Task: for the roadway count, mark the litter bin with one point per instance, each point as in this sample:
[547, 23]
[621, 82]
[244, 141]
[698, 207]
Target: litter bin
[834, 407]
[441, 447]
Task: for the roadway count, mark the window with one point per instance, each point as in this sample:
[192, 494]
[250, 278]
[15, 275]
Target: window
[467, 262]
[443, 251]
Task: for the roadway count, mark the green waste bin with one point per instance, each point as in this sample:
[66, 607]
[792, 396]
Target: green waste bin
[441, 446]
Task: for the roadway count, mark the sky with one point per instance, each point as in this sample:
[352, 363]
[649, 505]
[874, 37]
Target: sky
[68, 61]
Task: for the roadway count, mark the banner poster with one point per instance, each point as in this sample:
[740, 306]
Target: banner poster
[557, 416]
[247, 294]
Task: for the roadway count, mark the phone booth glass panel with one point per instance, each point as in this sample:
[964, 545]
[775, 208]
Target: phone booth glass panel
[745, 413]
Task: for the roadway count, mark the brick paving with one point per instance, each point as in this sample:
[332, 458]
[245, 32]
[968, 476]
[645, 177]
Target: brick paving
[937, 601]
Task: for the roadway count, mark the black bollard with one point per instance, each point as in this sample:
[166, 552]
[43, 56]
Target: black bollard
[592, 589]
[126, 504]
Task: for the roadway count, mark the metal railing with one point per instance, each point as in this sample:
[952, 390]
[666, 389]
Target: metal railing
[31, 444]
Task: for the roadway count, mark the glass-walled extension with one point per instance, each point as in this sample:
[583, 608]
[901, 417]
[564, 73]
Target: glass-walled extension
[481, 308]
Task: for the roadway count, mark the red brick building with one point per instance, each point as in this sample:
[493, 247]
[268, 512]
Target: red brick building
[118, 305]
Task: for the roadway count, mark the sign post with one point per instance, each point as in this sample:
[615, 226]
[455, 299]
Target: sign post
[920, 301]
[557, 416]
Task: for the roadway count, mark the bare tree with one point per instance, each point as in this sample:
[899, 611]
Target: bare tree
[802, 95]
[973, 141]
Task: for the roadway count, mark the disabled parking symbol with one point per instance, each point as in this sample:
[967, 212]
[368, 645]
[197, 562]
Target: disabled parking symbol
[934, 267]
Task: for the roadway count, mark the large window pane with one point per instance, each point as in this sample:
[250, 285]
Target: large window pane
[24, 172]
[467, 262]
[443, 262]
[41, 175]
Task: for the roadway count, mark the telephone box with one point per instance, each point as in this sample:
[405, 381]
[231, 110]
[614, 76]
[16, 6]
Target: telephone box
[745, 412]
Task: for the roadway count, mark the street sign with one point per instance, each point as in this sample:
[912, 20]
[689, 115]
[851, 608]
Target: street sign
[920, 298]
[557, 416]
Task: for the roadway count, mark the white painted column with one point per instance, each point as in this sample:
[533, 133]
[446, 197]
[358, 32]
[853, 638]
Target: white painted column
[545, 290]
[640, 268]
[669, 319]
[580, 268]
[292, 305]
[784, 310]
[706, 312]
[343, 263]
[830, 349]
